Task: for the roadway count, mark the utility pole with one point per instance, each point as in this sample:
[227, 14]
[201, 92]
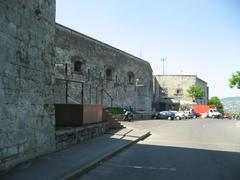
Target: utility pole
[163, 61]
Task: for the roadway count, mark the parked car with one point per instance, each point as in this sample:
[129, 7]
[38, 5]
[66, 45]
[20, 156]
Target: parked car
[227, 117]
[164, 115]
[187, 114]
[194, 114]
[178, 115]
[154, 115]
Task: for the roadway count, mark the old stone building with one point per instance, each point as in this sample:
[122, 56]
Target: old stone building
[173, 88]
[37, 57]
[27, 57]
[110, 76]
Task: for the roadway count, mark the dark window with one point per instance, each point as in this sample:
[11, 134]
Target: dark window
[89, 74]
[77, 66]
[179, 92]
[109, 74]
[131, 78]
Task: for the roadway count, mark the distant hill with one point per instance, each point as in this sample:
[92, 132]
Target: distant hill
[231, 104]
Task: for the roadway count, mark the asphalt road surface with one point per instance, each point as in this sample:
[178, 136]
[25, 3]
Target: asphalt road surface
[196, 149]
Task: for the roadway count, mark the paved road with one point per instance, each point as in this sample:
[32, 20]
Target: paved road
[198, 149]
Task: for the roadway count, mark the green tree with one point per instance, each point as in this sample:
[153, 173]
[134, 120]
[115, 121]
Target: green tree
[235, 80]
[216, 102]
[196, 92]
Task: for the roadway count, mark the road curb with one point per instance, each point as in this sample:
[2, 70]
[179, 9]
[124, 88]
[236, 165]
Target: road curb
[83, 170]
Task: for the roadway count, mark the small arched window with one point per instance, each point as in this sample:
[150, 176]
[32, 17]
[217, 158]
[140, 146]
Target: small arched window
[109, 73]
[77, 66]
[131, 77]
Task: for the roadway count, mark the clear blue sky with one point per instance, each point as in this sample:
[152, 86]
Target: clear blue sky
[200, 37]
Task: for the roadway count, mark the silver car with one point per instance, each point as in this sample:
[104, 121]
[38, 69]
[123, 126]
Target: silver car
[179, 115]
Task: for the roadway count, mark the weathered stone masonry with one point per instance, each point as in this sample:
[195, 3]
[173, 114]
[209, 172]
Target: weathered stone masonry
[27, 53]
[33, 54]
[125, 78]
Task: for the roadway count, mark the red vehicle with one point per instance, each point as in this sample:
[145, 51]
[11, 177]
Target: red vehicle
[203, 108]
[207, 111]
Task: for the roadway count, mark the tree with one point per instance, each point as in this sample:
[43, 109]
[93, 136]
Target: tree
[216, 102]
[196, 92]
[235, 80]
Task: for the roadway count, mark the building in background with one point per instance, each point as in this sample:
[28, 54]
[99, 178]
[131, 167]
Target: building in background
[170, 91]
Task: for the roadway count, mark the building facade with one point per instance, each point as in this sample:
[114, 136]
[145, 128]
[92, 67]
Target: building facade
[109, 76]
[175, 87]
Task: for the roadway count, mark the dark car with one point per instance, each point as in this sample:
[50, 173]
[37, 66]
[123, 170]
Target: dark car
[163, 115]
[154, 115]
[194, 114]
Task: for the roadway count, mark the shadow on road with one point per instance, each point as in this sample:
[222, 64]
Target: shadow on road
[143, 161]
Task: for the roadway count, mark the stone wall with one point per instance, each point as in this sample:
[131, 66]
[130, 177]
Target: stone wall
[176, 86]
[107, 73]
[27, 29]
[66, 137]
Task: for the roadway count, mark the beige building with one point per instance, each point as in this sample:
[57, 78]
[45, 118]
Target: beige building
[171, 90]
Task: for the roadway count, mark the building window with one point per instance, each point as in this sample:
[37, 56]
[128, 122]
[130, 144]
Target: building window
[179, 92]
[131, 77]
[77, 66]
[109, 73]
[89, 74]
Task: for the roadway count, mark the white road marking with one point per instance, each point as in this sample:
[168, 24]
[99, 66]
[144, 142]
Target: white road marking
[142, 167]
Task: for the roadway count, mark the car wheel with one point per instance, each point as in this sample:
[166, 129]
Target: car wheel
[178, 118]
[169, 118]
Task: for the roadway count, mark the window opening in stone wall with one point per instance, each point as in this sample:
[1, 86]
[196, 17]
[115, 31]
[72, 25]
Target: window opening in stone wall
[131, 77]
[89, 74]
[77, 66]
[179, 92]
[109, 74]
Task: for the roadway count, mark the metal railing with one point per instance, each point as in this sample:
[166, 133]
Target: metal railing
[102, 95]
[66, 92]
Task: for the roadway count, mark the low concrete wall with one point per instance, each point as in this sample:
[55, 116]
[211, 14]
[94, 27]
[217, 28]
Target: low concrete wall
[68, 136]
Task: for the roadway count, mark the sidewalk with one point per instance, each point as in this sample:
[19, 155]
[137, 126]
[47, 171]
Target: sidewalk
[77, 159]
